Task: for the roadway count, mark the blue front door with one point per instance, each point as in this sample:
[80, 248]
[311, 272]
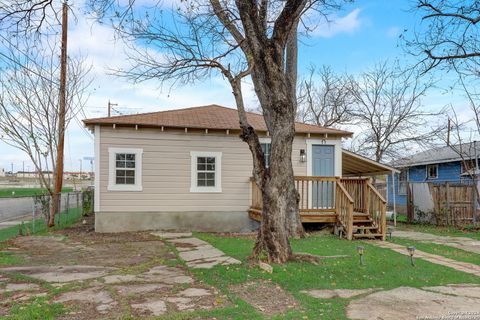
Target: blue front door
[323, 165]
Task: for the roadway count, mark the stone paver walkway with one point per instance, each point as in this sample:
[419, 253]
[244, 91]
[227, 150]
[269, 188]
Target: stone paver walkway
[196, 253]
[457, 265]
[463, 243]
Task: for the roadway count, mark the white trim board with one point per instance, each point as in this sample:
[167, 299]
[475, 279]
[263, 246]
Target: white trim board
[96, 199]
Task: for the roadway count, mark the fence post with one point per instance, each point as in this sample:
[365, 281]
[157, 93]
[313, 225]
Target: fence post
[33, 216]
[474, 199]
[447, 199]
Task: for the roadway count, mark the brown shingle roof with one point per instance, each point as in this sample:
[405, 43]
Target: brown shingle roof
[212, 117]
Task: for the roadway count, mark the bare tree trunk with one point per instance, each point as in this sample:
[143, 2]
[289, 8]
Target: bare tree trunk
[293, 223]
[61, 119]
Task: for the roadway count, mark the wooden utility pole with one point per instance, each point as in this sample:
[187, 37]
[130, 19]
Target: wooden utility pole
[449, 129]
[110, 105]
[62, 95]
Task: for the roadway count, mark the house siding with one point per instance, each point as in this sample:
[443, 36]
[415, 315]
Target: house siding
[166, 171]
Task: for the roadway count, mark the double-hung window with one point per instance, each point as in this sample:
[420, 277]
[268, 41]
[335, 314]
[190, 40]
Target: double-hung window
[125, 172]
[432, 171]
[206, 171]
[403, 182]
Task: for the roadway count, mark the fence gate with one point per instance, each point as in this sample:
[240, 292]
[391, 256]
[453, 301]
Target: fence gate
[454, 203]
[441, 204]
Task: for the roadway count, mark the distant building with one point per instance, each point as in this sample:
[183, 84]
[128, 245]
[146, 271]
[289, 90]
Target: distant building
[2, 172]
[33, 174]
[454, 164]
[69, 175]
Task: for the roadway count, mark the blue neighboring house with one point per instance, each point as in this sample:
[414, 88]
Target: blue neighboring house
[454, 163]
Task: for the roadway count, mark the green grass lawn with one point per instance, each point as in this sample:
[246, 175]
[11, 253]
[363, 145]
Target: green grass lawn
[467, 231]
[384, 269]
[26, 192]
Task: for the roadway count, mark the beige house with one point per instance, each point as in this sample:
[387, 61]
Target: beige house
[188, 169]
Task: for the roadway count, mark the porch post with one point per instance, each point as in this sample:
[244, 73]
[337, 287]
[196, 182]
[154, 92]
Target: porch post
[394, 200]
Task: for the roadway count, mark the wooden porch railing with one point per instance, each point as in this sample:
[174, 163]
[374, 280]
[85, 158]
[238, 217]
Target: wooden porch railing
[333, 197]
[344, 209]
[377, 209]
[357, 188]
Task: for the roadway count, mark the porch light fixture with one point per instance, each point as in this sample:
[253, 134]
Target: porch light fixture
[411, 251]
[303, 155]
[361, 251]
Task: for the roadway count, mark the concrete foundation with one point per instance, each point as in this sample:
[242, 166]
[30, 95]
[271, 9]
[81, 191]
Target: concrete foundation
[178, 221]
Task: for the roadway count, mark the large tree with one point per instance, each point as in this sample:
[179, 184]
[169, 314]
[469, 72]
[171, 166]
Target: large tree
[325, 98]
[447, 39]
[388, 107]
[236, 39]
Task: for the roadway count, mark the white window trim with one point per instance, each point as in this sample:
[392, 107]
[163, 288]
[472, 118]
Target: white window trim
[193, 171]
[427, 171]
[266, 141]
[112, 186]
[96, 199]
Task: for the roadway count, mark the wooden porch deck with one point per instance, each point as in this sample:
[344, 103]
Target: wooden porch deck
[353, 204]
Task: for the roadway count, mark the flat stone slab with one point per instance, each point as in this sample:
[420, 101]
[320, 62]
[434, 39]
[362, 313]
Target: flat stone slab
[204, 253]
[190, 241]
[158, 274]
[411, 304]
[464, 243]
[153, 308]
[19, 287]
[135, 289]
[195, 292]
[337, 293]
[102, 298]
[171, 235]
[464, 290]
[61, 274]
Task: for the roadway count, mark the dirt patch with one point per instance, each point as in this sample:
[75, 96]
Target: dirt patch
[107, 273]
[81, 245]
[266, 297]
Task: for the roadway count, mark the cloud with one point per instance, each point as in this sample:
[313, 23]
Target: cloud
[339, 25]
[393, 32]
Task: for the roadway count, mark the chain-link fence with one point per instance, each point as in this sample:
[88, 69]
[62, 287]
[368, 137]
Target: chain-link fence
[72, 206]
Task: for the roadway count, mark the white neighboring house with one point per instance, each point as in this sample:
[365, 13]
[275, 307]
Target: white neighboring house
[2, 172]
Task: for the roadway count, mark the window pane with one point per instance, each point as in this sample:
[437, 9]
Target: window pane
[120, 164]
[211, 160]
[210, 183]
[202, 160]
[210, 176]
[130, 164]
[130, 173]
[130, 156]
[120, 180]
[201, 176]
[130, 180]
[201, 166]
[120, 173]
[120, 156]
[211, 167]
[201, 183]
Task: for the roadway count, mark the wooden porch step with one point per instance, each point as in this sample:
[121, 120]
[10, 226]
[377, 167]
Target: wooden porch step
[364, 228]
[363, 221]
[367, 235]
